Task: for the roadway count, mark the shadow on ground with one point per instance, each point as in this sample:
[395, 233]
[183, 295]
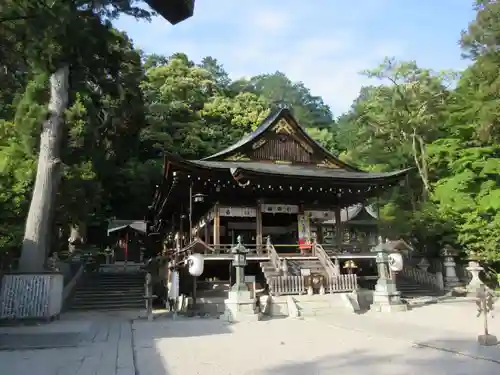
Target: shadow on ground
[435, 362]
[210, 346]
[170, 327]
[146, 335]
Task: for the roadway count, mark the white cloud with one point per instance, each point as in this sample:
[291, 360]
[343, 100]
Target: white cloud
[315, 45]
[269, 21]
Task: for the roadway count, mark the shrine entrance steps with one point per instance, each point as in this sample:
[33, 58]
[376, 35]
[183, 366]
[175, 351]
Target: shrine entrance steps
[411, 289]
[294, 267]
[299, 306]
[109, 291]
[268, 270]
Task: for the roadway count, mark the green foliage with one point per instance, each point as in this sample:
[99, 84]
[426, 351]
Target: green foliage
[126, 109]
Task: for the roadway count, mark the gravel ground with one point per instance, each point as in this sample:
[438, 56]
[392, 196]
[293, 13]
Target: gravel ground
[286, 346]
[437, 339]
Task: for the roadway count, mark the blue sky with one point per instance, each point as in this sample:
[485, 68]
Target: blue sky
[325, 45]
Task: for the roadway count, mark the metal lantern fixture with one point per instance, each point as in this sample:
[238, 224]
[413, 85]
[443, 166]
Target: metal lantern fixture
[350, 265]
[198, 198]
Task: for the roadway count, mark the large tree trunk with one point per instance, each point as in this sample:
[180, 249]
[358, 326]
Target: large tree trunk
[38, 228]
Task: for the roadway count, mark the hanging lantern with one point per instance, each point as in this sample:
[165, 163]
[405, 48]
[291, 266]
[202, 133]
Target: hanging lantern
[395, 262]
[195, 264]
[198, 198]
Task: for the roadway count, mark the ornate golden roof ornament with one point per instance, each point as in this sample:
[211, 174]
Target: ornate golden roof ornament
[304, 145]
[261, 142]
[238, 157]
[283, 127]
[326, 163]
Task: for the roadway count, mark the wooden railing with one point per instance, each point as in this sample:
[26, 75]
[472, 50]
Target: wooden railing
[421, 276]
[273, 255]
[342, 283]
[325, 260]
[288, 285]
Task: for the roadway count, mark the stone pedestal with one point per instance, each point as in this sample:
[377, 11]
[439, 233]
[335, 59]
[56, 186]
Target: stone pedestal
[386, 298]
[487, 340]
[475, 269]
[451, 279]
[240, 307]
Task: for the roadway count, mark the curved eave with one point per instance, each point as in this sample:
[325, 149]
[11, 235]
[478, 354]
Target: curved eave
[339, 177]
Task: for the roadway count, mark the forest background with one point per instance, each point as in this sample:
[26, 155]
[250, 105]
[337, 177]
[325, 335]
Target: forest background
[125, 108]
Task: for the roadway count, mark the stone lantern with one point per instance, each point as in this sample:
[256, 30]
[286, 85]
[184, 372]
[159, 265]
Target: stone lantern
[474, 268]
[239, 263]
[450, 271]
[386, 297]
[240, 306]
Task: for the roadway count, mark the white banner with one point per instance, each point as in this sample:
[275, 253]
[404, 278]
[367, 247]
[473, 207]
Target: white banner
[279, 209]
[238, 211]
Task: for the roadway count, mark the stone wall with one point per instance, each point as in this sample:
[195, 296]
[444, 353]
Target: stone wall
[31, 296]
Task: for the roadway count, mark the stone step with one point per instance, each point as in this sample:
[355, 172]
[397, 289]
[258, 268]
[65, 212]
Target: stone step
[105, 296]
[109, 291]
[268, 268]
[105, 289]
[107, 286]
[117, 281]
[271, 273]
[110, 284]
[109, 306]
[124, 279]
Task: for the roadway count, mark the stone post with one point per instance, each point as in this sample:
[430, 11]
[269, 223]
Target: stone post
[148, 295]
[450, 272]
[485, 302]
[284, 266]
[337, 266]
[386, 297]
[54, 260]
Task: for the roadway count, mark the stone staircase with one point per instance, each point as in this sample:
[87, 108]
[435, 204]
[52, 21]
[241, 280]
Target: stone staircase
[268, 270]
[295, 265]
[109, 291]
[411, 289]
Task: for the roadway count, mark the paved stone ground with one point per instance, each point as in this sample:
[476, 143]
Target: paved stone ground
[103, 346]
[438, 339]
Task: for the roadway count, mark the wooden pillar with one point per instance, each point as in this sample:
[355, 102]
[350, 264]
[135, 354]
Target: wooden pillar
[216, 227]
[319, 233]
[258, 221]
[338, 228]
[206, 234]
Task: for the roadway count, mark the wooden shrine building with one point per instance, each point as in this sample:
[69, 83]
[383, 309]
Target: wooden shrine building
[277, 188]
[276, 181]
